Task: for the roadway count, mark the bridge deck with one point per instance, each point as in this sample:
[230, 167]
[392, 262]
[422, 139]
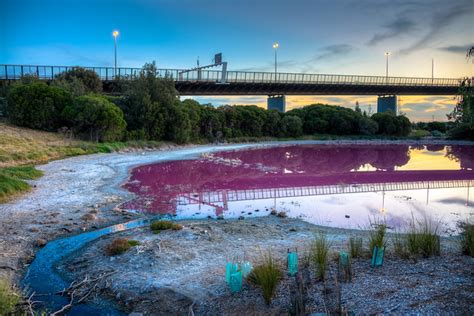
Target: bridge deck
[216, 82]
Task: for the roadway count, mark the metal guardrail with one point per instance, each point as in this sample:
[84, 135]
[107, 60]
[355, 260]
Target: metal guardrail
[13, 72]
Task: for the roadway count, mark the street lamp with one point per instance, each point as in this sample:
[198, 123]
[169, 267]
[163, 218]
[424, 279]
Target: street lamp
[386, 66]
[275, 46]
[115, 33]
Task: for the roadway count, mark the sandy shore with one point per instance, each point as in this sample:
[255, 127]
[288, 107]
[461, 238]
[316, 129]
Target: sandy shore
[80, 193]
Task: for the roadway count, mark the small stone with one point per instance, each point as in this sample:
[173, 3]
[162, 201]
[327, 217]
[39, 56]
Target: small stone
[40, 242]
[220, 217]
[282, 214]
[273, 212]
[34, 229]
[241, 218]
[89, 217]
[347, 216]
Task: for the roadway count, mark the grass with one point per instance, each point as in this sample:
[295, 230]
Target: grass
[319, 255]
[422, 238]
[158, 226]
[418, 133]
[120, 245]
[400, 246]
[377, 235]
[9, 298]
[467, 238]
[12, 180]
[266, 275]
[355, 247]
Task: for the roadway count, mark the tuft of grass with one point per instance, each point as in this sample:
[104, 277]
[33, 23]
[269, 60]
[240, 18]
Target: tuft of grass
[9, 298]
[400, 246]
[467, 238]
[120, 245]
[377, 234]
[266, 275]
[319, 255]
[158, 226]
[422, 238]
[355, 247]
[12, 180]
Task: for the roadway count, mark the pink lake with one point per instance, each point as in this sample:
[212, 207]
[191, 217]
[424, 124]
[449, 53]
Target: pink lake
[335, 185]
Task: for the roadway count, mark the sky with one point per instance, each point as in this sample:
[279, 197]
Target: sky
[314, 36]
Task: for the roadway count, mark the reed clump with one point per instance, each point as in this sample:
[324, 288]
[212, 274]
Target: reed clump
[355, 247]
[319, 255]
[266, 275]
[467, 238]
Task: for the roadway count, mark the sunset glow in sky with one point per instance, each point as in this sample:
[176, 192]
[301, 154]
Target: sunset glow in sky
[334, 37]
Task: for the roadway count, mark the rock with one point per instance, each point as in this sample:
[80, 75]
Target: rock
[220, 217]
[346, 216]
[282, 214]
[273, 212]
[89, 217]
[34, 229]
[241, 218]
[40, 242]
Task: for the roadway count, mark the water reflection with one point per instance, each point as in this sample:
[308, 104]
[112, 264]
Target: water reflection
[226, 183]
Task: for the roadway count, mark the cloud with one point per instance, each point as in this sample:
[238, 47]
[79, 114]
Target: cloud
[333, 51]
[440, 21]
[399, 26]
[457, 48]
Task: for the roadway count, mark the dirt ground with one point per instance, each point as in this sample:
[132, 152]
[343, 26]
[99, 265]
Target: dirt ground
[175, 271]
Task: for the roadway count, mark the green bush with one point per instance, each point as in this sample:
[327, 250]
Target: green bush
[391, 124]
[319, 255]
[355, 247]
[367, 126]
[11, 180]
[120, 245]
[9, 298]
[291, 126]
[37, 105]
[160, 225]
[266, 275]
[80, 80]
[467, 238]
[96, 118]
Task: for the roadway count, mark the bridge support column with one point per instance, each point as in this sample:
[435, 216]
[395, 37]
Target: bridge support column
[387, 103]
[276, 102]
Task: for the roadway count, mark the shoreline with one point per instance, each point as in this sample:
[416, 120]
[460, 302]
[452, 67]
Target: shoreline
[80, 193]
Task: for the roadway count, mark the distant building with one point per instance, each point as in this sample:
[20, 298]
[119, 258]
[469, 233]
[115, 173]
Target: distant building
[387, 103]
[276, 102]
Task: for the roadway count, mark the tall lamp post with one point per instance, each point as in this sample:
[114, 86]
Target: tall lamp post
[115, 33]
[386, 64]
[275, 47]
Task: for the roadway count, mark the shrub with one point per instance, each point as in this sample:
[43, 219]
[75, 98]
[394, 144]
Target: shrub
[319, 255]
[467, 238]
[400, 245]
[422, 238]
[120, 245]
[291, 126]
[9, 298]
[266, 275]
[367, 126]
[377, 235]
[96, 117]
[37, 105]
[82, 79]
[391, 124]
[355, 247]
[160, 225]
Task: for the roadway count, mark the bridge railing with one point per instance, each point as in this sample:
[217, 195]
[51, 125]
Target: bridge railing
[12, 72]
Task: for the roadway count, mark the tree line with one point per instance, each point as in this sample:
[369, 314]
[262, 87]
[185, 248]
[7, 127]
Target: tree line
[149, 108]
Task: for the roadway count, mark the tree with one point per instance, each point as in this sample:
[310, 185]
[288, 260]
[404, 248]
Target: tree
[96, 117]
[291, 126]
[79, 81]
[37, 105]
[148, 104]
[463, 113]
[367, 126]
[391, 124]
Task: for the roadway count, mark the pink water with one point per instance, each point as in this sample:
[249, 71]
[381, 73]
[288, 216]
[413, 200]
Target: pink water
[167, 188]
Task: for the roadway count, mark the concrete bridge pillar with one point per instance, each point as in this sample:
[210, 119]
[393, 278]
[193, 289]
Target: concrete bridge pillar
[387, 103]
[276, 102]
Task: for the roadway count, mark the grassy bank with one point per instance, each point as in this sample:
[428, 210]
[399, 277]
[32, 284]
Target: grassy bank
[22, 148]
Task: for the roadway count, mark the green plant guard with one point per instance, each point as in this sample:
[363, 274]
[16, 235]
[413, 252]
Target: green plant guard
[230, 268]
[236, 282]
[246, 268]
[292, 263]
[344, 258]
[377, 256]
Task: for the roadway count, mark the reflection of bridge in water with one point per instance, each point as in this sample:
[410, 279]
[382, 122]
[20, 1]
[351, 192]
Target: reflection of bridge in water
[224, 196]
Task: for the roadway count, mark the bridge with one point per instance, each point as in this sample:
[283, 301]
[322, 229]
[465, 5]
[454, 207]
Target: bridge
[222, 82]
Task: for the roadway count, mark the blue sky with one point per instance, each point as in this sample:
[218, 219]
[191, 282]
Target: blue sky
[339, 37]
